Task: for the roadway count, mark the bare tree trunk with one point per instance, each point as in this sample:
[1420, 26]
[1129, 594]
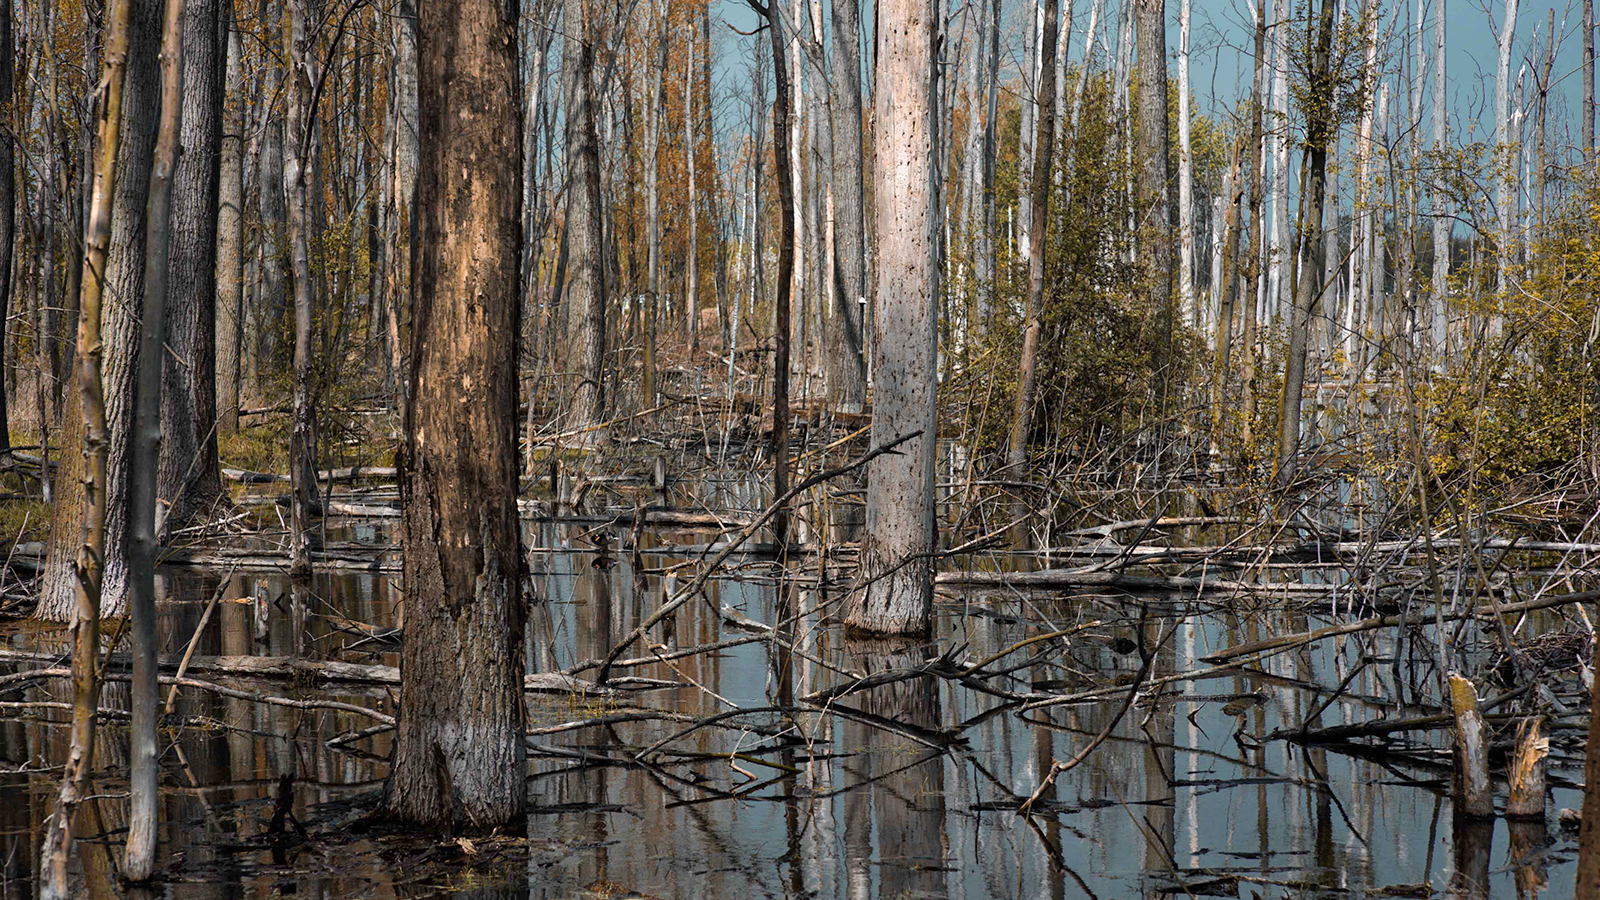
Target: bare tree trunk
[264, 355]
[1255, 187]
[652, 203]
[1588, 77]
[123, 296]
[404, 151]
[1044, 144]
[586, 280]
[895, 595]
[1153, 200]
[460, 761]
[57, 842]
[298, 156]
[847, 369]
[189, 476]
[1186, 258]
[143, 477]
[1438, 203]
[230, 235]
[781, 114]
[1321, 97]
[8, 203]
[1505, 153]
[692, 289]
[1028, 143]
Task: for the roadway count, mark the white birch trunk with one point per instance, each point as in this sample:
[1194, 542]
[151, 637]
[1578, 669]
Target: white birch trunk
[1186, 248]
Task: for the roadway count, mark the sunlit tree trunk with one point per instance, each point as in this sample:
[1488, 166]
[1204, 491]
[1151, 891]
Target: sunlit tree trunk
[1186, 257]
[895, 590]
[652, 202]
[90, 509]
[120, 304]
[459, 759]
[1505, 153]
[692, 263]
[1439, 203]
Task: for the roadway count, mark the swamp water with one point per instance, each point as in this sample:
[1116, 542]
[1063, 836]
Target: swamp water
[904, 790]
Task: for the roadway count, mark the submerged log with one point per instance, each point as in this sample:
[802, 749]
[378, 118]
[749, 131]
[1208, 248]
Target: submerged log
[1473, 791]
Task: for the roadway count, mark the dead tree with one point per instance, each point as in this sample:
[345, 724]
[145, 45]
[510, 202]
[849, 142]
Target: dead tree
[895, 590]
[459, 757]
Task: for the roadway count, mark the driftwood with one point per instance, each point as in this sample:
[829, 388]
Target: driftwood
[325, 671]
[351, 473]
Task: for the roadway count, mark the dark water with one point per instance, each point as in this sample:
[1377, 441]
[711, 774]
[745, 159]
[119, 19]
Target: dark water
[905, 790]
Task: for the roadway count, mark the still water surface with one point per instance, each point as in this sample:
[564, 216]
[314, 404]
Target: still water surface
[908, 790]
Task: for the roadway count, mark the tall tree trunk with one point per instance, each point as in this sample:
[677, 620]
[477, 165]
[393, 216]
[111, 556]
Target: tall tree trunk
[460, 760]
[692, 287]
[144, 745]
[1438, 202]
[230, 235]
[1186, 259]
[586, 280]
[1027, 139]
[1153, 199]
[652, 201]
[1254, 188]
[403, 152]
[8, 202]
[189, 479]
[120, 304]
[297, 175]
[896, 579]
[1321, 96]
[781, 115]
[1505, 153]
[89, 510]
[847, 369]
[1038, 206]
[1588, 76]
[266, 357]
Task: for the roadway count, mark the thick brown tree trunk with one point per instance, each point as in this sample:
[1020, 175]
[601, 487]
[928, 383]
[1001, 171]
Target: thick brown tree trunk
[459, 758]
[895, 590]
[297, 175]
[189, 479]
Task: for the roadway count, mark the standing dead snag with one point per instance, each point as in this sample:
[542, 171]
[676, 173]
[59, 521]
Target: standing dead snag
[459, 758]
[896, 593]
[1473, 792]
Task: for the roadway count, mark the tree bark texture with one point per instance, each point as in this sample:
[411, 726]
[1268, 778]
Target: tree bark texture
[189, 480]
[847, 376]
[1153, 200]
[230, 236]
[144, 476]
[459, 759]
[120, 311]
[586, 280]
[895, 590]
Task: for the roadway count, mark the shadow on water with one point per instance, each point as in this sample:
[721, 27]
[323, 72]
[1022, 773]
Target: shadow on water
[906, 788]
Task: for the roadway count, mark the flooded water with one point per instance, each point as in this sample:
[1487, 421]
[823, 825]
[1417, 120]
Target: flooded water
[905, 790]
